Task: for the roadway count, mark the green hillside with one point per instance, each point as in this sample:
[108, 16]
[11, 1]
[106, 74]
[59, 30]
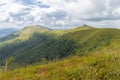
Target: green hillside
[34, 43]
[101, 65]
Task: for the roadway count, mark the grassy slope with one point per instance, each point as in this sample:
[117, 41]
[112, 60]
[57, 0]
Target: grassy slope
[95, 39]
[22, 35]
[102, 65]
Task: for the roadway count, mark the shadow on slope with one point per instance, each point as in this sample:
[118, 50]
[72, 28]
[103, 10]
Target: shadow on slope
[36, 48]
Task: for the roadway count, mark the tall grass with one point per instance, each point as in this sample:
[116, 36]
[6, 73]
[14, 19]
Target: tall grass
[102, 65]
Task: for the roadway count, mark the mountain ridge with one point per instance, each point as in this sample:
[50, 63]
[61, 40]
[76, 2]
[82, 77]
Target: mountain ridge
[37, 27]
[56, 43]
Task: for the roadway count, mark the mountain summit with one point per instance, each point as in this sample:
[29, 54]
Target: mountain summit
[40, 27]
[84, 27]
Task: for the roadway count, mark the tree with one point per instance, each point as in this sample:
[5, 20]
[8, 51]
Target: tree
[8, 63]
[43, 60]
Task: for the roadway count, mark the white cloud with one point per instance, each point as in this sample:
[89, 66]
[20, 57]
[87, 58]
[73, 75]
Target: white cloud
[60, 12]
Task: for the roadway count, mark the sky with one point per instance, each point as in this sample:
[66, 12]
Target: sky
[59, 13]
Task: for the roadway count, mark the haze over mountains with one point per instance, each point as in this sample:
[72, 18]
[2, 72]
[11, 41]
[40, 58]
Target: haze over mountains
[7, 31]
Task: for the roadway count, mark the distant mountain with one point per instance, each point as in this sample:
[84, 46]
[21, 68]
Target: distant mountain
[40, 27]
[7, 31]
[85, 27]
[34, 43]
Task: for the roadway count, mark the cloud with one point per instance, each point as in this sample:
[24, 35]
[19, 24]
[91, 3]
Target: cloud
[60, 13]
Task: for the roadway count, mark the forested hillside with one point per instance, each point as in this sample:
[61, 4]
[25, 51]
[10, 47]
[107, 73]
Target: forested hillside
[34, 43]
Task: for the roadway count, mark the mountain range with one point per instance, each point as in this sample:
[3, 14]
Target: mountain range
[38, 44]
[33, 43]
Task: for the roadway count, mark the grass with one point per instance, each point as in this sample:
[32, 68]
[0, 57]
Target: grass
[102, 65]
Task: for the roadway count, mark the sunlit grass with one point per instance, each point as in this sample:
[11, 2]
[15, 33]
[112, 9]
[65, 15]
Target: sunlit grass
[102, 65]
